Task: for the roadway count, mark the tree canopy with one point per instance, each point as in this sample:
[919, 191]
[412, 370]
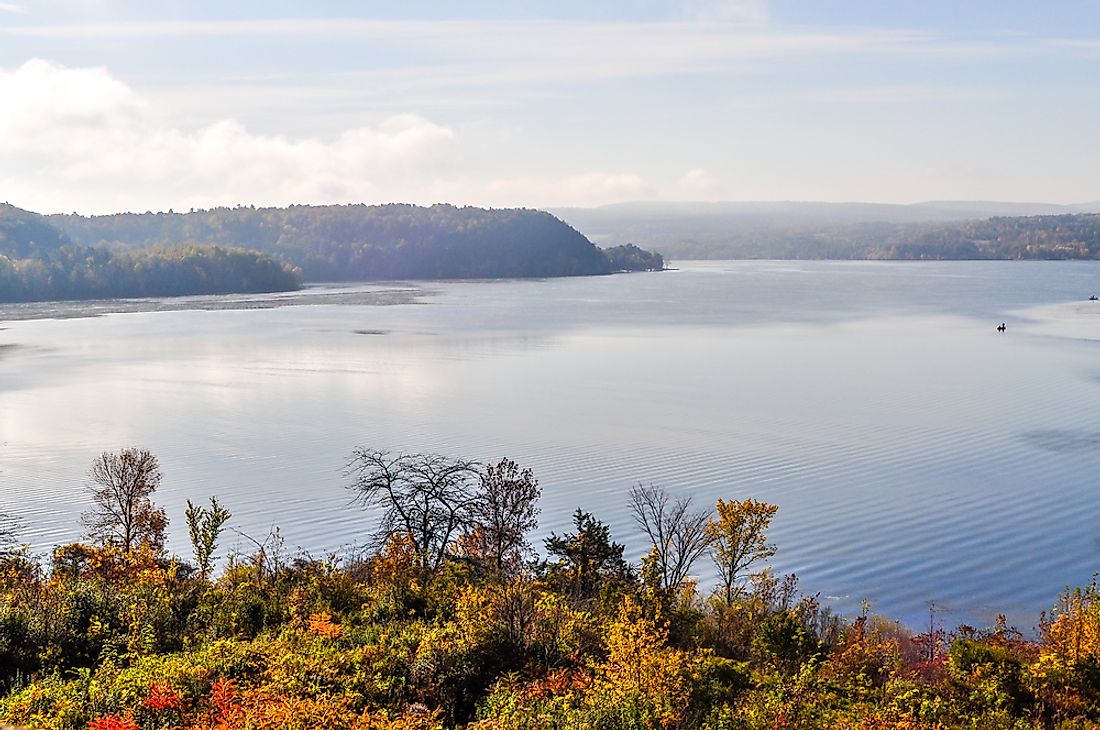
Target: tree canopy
[366, 242]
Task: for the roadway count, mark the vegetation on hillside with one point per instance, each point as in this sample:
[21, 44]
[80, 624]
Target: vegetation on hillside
[1030, 237]
[361, 242]
[450, 619]
[90, 273]
[39, 263]
[629, 257]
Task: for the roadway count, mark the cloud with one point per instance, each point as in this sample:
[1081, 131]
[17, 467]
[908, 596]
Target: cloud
[80, 135]
[79, 138]
[12, 8]
[697, 184]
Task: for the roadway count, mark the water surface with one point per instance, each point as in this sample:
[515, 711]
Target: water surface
[915, 453]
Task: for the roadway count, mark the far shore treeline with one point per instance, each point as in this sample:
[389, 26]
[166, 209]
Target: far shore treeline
[249, 250]
[245, 249]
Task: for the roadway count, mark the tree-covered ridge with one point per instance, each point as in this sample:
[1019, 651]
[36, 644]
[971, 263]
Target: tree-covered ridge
[367, 242]
[27, 235]
[76, 272]
[1019, 237]
[450, 620]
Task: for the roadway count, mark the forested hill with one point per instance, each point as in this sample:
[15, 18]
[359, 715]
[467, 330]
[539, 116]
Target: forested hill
[940, 230]
[38, 262]
[25, 235]
[360, 242]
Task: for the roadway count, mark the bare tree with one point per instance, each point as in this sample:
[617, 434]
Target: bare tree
[123, 513]
[505, 512]
[678, 534]
[426, 497]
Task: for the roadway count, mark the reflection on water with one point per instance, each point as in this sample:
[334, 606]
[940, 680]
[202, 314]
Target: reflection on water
[916, 454]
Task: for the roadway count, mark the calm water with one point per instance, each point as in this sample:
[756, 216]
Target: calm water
[915, 453]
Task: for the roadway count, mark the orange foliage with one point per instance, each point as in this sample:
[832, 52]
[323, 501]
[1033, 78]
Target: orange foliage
[163, 697]
[113, 722]
[225, 704]
[321, 625]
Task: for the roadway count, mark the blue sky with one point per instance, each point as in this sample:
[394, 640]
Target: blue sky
[110, 105]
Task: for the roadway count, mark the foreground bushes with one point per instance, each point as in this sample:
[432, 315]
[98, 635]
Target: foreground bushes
[108, 638]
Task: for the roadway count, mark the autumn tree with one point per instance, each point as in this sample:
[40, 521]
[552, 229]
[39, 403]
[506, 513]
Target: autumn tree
[426, 497]
[587, 556]
[123, 512]
[677, 533]
[505, 511]
[204, 527]
[738, 541]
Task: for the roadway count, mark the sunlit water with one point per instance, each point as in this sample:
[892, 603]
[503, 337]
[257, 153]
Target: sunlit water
[915, 453]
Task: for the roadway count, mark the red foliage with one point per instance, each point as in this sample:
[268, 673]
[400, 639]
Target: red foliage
[113, 722]
[225, 702]
[162, 697]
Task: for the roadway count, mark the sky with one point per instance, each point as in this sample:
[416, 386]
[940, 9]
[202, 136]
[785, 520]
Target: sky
[120, 105]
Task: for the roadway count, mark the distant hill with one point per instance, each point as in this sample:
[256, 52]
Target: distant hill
[227, 250]
[24, 234]
[361, 242]
[39, 262]
[840, 230]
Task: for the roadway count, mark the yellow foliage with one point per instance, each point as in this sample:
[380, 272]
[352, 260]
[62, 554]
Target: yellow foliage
[642, 668]
[1073, 635]
[738, 538]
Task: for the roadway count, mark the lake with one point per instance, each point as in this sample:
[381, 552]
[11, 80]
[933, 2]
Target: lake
[916, 454]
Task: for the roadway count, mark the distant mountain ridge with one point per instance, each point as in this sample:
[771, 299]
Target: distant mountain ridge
[784, 229]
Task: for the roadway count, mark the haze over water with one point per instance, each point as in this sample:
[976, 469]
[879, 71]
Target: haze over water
[915, 453]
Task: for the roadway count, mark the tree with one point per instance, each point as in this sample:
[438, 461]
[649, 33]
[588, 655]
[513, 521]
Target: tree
[426, 497]
[204, 527]
[504, 513]
[588, 556]
[678, 535]
[123, 513]
[738, 540]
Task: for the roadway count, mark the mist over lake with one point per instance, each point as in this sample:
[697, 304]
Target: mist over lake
[915, 453]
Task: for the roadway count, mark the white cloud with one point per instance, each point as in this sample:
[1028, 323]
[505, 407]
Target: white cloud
[81, 138]
[698, 184]
[12, 8]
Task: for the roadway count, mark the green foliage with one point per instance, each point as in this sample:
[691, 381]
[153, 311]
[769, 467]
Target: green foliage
[204, 527]
[74, 272]
[360, 242]
[105, 637]
[631, 258]
[588, 559]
